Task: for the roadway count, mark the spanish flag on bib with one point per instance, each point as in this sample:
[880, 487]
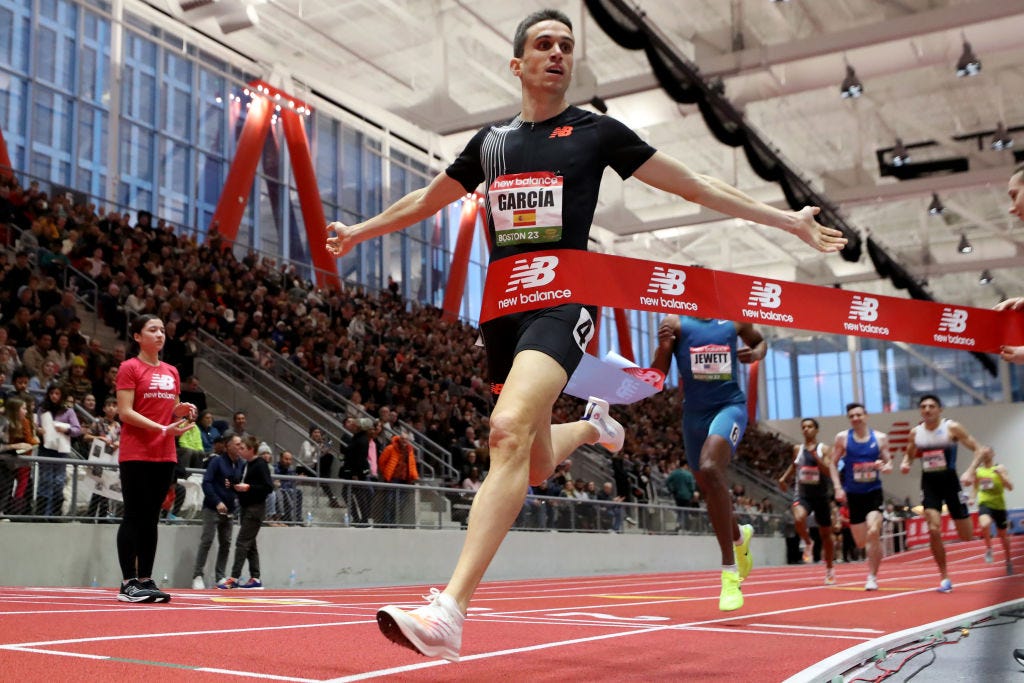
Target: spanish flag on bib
[524, 218]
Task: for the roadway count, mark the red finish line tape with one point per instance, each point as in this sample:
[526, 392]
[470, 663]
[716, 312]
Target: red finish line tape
[549, 278]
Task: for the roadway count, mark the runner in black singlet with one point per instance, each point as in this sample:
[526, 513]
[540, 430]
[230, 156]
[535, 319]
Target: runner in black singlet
[541, 174]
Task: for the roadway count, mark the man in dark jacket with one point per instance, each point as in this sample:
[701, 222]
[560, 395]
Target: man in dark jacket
[219, 503]
[357, 468]
[253, 490]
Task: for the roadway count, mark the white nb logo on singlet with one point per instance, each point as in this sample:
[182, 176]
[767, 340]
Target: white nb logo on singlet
[161, 382]
[528, 274]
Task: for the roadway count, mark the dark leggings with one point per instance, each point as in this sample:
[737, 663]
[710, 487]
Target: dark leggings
[144, 486]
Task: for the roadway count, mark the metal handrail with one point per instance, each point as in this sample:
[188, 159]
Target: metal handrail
[424, 446]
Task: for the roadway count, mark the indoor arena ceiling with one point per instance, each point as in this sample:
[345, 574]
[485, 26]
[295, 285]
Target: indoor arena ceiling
[443, 65]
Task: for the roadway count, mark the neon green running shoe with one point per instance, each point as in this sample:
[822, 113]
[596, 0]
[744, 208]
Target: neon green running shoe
[744, 561]
[731, 597]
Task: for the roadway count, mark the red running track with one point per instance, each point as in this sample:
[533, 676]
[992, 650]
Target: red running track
[607, 628]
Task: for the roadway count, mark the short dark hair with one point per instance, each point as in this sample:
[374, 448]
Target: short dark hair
[140, 321]
[925, 397]
[851, 406]
[812, 421]
[519, 40]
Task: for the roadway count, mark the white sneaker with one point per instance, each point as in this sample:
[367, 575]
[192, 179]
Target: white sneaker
[197, 584]
[611, 433]
[988, 556]
[871, 584]
[830, 577]
[433, 630]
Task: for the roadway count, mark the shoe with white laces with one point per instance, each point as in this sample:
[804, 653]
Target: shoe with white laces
[830, 577]
[612, 435]
[871, 584]
[198, 584]
[433, 630]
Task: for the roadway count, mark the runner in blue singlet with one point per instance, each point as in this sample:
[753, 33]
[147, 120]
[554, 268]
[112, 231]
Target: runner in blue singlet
[865, 454]
[714, 419]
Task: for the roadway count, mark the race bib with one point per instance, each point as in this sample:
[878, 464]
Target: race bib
[933, 461]
[711, 363]
[526, 208]
[809, 474]
[864, 472]
[986, 484]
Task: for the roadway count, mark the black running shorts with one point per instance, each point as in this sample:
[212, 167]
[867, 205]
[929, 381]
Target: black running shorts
[998, 516]
[561, 332]
[944, 487]
[861, 504]
[821, 506]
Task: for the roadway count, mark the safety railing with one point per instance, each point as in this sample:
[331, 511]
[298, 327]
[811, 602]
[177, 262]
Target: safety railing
[73, 490]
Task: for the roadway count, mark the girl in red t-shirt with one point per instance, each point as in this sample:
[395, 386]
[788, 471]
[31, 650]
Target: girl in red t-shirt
[152, 417]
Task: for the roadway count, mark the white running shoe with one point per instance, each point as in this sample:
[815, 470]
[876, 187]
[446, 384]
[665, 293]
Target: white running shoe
[988, 556]
[433, 630]
[871, 584]
[198, 584]
[830, 577]
[611, 432]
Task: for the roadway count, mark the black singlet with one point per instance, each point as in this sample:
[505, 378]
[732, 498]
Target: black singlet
[542, 179]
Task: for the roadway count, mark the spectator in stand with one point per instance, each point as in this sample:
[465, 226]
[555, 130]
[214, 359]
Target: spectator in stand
[106, 432]
[238, 424]
[61, 352]
[47, 375]
[252, 491]
[207, 431]
[20, 380]
[682, 486]
[397, 465]
[219, 504]
[193, 393]
[264, 451]
[36, 355]
[357, 468]
[289, 495]
[17, 438]
[58, 424]
[472, 482]
[8, 364]
[610, 515]
[76, 383]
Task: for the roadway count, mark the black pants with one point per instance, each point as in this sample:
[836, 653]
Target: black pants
[144, 486]
[250, 521]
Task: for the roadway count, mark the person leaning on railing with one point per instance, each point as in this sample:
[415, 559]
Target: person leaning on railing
[17, 437]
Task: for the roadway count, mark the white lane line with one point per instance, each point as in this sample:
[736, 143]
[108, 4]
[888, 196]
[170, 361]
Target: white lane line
[680, 627]
[820, 628]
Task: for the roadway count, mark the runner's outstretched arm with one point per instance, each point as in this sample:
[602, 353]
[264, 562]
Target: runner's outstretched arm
[414, 207]
[671, 175]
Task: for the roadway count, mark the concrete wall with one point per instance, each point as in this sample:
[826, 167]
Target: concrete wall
[72, 554]
[1000, 426]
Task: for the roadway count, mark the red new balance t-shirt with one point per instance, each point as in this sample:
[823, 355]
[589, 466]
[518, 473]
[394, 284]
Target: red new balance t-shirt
[156, 394]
